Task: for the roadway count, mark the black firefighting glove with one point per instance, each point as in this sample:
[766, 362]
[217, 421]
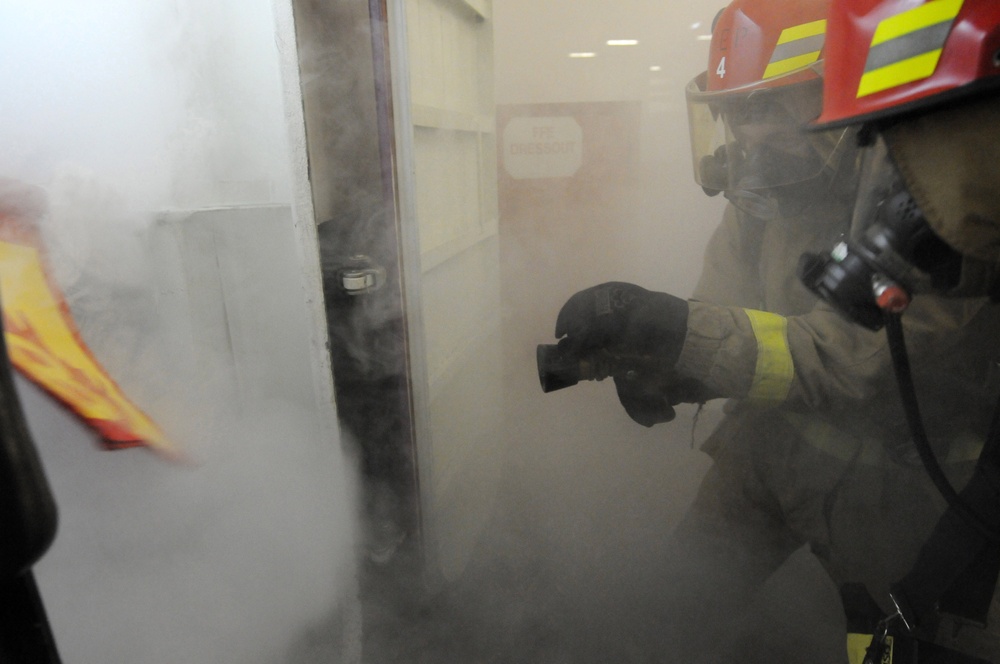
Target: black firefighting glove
[645, 331]
[649, 400]
[625, 319]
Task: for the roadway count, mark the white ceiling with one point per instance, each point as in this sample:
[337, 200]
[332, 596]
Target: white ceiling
[533, 39]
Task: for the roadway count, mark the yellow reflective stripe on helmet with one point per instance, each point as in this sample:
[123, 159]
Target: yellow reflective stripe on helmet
[774, 372]
[927, 14]
[891, 76]
[797, 32]
[906, 47]
[797, 47]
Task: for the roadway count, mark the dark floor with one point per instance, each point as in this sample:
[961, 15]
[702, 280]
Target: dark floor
[517, 617]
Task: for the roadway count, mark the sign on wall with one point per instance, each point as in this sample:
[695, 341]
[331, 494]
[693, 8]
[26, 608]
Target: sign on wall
[542, 147]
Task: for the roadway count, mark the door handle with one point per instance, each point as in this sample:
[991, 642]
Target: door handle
[361, 278]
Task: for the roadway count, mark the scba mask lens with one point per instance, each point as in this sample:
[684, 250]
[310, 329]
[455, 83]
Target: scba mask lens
[748, 142]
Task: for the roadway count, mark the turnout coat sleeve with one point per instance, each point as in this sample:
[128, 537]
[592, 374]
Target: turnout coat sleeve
[755, 333]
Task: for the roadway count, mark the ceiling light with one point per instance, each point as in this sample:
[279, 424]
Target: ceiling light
[622, 42]
[655, 68]
[582, 55]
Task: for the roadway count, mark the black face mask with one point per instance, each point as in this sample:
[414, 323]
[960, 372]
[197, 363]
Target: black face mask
[751, 170]
[893, 252]
[764, 163]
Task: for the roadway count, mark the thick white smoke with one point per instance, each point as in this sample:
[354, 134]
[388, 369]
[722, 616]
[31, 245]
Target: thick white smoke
[126, 110]
[131, 115]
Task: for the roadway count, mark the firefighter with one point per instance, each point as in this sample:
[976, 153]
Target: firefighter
[922, 82]
[813, 449]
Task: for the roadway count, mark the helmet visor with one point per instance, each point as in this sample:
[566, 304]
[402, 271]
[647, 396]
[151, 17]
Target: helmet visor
[878, 180]
[755, 139]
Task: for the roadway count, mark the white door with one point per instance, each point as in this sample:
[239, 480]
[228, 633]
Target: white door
[400, 133]
[450, 51]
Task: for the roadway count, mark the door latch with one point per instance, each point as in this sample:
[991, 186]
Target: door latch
[361, 278]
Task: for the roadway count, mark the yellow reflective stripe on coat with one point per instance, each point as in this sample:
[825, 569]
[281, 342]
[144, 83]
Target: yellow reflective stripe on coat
[774, 372]
[797, 47]
[857, 647]
[907, 47]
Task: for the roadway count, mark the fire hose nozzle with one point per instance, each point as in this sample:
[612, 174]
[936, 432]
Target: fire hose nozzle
[558, 369]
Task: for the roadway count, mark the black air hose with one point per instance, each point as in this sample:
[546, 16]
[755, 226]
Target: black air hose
[907, 391]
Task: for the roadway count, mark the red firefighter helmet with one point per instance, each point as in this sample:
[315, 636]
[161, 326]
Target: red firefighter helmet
[747, 110]
[764, 43]
[885, 57]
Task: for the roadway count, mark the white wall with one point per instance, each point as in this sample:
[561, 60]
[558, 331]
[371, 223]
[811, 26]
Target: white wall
[671, 218]
[124, 112]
